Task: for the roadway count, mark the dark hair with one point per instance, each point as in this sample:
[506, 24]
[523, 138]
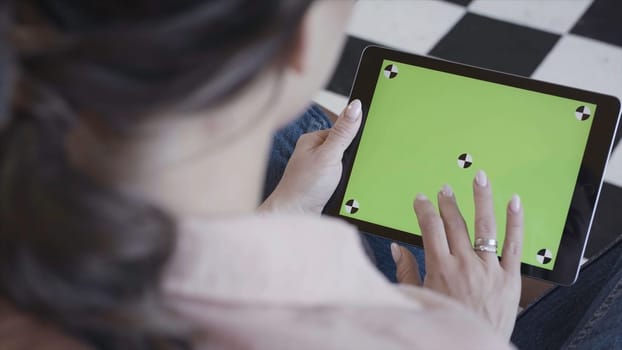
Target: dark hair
[84, 256]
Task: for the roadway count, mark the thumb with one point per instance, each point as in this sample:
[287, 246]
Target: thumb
[407, 269]
[340, 136]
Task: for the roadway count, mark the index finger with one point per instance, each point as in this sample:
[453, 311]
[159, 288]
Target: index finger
[432, 229]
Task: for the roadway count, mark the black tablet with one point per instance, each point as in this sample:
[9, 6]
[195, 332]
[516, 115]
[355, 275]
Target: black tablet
[428, 122]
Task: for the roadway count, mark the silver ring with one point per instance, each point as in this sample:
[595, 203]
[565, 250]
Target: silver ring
[485, 248]
[487, 245]
[491, 242]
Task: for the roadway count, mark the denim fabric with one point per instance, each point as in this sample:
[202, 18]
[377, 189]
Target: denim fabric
[587, 315]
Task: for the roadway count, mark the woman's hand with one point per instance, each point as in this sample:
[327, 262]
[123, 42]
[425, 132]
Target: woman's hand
[314, 170]
[475, 278]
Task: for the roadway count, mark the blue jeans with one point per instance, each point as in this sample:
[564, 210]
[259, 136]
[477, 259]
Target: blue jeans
[587, 315]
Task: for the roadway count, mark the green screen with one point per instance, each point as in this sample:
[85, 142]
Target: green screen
[421, 121]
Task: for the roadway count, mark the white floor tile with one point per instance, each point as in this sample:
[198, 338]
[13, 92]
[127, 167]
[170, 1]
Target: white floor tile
[558, 16]
[331, 101]
[584, 63]
[614, 169]
[414, 26]
[590, 65]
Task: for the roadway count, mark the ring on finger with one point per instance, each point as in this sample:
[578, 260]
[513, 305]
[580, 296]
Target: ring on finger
[487, 245]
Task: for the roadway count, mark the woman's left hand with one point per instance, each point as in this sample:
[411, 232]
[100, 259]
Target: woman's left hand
[314, 170]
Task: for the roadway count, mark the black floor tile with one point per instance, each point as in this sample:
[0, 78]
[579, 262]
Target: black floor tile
[493, 44]
[607, 224]
[460, 2]
[343, 78]
[602, 21]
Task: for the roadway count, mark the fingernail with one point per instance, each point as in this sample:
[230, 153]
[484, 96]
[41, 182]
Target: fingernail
[481, 178]
[396, 252]
[354, 110]
[515, 203]
[447, 191]
[421, 197]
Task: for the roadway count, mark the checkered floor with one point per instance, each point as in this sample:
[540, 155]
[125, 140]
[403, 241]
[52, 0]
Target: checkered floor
[571, 42]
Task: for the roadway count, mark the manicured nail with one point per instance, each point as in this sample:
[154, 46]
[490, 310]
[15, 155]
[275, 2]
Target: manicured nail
[396, 252]
[515, 203]
[421, 197]
[446, 191]
[481, 178]
[354, 110]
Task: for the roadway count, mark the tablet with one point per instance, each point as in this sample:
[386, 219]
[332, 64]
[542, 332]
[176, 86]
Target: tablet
[428, 122]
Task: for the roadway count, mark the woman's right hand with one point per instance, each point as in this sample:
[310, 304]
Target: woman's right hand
[477, 279]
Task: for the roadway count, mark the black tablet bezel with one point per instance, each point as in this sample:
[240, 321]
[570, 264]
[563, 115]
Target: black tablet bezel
[589, 181]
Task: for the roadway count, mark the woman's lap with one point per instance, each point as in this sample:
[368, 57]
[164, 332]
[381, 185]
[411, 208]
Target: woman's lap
[586, 315]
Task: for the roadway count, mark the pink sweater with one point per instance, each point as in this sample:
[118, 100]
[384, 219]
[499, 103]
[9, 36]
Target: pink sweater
[303, 282]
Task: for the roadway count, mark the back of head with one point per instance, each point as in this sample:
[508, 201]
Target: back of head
[73, 252]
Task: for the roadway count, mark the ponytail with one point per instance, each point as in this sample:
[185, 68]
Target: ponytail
[84, 256]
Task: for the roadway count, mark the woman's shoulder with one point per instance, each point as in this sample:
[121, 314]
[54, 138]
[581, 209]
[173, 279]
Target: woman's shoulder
[298, 260]
[346, 327]
[269, 225]
[251, 278]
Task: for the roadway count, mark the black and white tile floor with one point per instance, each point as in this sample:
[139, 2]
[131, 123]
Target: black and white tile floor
[571, 42]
